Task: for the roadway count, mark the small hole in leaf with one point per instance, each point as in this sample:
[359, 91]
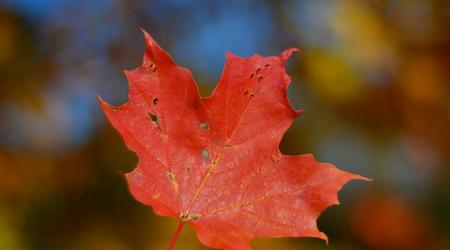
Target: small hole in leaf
[205, 154]
[155, 101]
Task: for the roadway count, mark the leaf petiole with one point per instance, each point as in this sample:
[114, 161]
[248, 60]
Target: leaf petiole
[175, 236]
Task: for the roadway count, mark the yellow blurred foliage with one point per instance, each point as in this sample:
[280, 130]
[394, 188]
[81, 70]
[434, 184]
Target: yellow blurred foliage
[331, 77]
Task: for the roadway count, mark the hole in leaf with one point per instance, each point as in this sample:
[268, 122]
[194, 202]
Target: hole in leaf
[155, 100]
[205, 154]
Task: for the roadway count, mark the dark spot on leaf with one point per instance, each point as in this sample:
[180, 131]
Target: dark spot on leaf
[154, 118]
[267, 65]
[170, 175]
[155, 101]
[257, 70]
[246, 92]
[204, 126]
[251, 76]
[260, 79]
[275, 158]
[251, 96]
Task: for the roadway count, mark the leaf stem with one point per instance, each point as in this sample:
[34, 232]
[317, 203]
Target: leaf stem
[175, 236]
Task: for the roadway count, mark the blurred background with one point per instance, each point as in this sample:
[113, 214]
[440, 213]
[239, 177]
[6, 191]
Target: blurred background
[373, 78]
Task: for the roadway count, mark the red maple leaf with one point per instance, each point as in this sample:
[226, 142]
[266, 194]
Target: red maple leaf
[215, 162]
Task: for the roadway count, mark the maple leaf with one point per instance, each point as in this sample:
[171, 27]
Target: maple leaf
[215, 162]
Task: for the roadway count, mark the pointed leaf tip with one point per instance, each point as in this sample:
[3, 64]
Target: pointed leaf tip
[324, 237]
[229, 55]
[154, 52]
[100, 100]
[104, 105]
[287, 53]
[298, 112]
[122, 173]
[149, 41]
